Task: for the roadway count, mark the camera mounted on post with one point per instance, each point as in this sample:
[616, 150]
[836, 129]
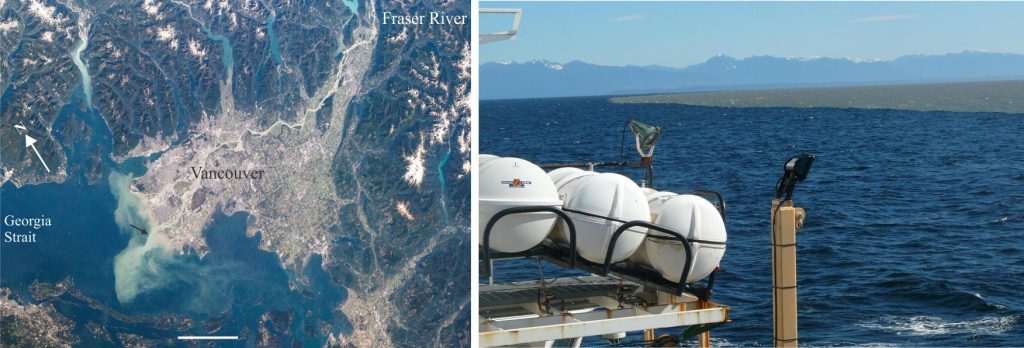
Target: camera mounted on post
[795, 170]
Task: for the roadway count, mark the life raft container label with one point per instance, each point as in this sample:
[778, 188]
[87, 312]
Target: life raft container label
[516, 183]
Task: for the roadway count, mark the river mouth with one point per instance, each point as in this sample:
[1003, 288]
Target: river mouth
[137, 279]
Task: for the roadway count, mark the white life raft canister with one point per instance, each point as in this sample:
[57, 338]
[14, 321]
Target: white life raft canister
[697, 220]
[598, 203]
[507, 182]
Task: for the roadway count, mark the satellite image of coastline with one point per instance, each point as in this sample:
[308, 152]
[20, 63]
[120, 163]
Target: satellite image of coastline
[269, 173]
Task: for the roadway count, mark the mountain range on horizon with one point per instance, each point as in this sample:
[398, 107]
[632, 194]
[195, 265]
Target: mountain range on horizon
[544, 79]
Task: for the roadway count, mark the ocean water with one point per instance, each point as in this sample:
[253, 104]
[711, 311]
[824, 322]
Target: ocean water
[915, 220]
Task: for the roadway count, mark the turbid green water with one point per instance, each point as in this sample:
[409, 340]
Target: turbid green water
[990, 96]
[225, 45]
[76, 57]
[275, 46]
[352, 5]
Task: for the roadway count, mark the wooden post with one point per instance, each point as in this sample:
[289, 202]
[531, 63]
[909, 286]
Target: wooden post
[786, 220]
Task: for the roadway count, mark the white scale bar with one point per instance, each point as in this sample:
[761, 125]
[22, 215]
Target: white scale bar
[207, 337]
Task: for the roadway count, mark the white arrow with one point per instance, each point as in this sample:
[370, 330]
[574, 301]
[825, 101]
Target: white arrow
[31, 142]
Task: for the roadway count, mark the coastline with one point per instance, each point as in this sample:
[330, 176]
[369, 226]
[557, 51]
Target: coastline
[988, 96]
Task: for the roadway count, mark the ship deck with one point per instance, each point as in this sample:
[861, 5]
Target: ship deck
[571, 307]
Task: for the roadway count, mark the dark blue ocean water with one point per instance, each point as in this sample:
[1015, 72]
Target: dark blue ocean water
[915, 226]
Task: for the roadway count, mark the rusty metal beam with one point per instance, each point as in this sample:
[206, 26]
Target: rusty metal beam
[497, 332]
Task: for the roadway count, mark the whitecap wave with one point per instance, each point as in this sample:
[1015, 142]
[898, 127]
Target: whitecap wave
[923, 325]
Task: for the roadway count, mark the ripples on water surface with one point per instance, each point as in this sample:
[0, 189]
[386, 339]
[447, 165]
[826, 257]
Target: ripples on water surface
[915, 219]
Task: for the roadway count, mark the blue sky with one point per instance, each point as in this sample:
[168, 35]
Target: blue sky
[682, 34]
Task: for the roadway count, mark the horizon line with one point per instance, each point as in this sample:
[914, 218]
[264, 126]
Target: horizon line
[781, 86]
[800, 58]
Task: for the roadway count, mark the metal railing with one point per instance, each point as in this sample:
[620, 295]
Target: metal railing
[553, 253]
